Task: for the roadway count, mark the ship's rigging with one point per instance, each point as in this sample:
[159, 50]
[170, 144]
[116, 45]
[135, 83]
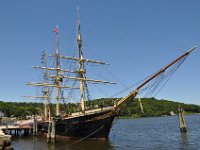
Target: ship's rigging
[59, 78]
[97, 122]
[152, 82]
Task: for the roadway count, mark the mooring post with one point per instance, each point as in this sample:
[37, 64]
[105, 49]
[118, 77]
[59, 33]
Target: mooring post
[35, 126]
[34, 129]
[6, 125]
[49, 132]
[141, 106]
[25, 132]
[53, 131]
[182, 124]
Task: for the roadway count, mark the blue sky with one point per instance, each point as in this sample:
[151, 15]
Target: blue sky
[136, 37]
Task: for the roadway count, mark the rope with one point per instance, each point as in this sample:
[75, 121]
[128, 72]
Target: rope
[128, 88]
[81, 139]
[153, 87]
[140, 32]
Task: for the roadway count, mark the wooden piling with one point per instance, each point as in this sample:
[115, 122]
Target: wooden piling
[15, 132]
[49, 132]
[182, 124]
[141, 106]
[6, 125]
[53, 136]
[35, 127]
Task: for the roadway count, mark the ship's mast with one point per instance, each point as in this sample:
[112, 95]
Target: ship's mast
[81, 69]
[45, 90]
[57, 79]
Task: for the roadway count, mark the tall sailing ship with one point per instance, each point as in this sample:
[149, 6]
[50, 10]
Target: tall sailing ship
[93, 123]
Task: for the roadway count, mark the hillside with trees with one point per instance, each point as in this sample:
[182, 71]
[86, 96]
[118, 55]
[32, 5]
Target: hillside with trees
[152, 107]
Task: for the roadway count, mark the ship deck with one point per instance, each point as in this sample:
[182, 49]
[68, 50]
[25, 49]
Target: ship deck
[89, 112]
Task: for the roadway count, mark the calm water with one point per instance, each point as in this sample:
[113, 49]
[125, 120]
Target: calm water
[159, 133]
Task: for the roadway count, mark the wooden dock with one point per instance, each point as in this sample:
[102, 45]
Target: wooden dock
[16, 130]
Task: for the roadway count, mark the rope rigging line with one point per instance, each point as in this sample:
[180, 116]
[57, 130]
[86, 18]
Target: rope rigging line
[127, 29]
[106, 70]
[71, 91]
[99, 89]
[128, 88]
[81, 139]
[86, 86]
[51, 89]
[151, 87]
[157, 84]
[171, 74]
[161, 80]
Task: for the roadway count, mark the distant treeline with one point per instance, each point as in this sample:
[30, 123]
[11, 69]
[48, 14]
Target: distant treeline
[152, 107]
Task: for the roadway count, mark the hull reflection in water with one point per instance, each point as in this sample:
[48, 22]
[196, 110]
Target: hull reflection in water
[40, 143]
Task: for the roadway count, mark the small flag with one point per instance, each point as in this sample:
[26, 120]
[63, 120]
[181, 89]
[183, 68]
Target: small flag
[55, 29]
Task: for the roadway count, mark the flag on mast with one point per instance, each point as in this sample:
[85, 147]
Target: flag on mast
[56, 29]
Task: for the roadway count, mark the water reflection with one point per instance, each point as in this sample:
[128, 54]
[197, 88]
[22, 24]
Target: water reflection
[40, 143]
[143, 133]
[184, 140]
[85, 145]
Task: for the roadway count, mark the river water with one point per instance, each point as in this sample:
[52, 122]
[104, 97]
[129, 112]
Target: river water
[156, 133]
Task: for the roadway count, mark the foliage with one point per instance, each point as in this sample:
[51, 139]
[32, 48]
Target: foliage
[152, 107]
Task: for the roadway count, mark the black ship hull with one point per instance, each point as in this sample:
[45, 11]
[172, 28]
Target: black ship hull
[93, 126]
